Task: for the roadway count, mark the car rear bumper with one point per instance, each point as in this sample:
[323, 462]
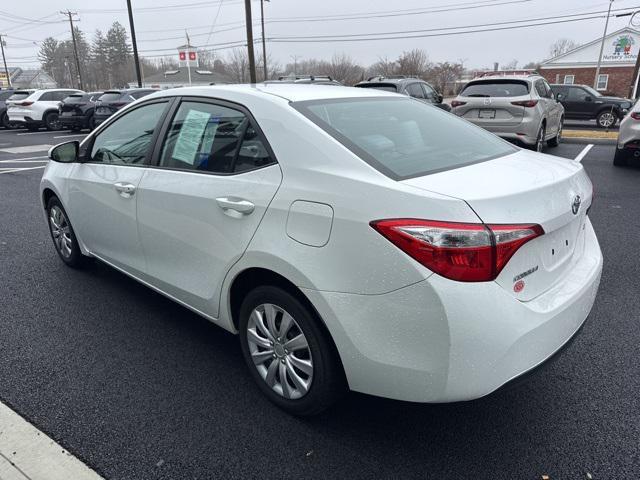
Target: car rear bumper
[444, 341]
[73, 121]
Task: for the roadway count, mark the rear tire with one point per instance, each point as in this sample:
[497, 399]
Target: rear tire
[539, 145]
[5, 121]
[91, 123]
[555, 141]
[271, 355]
[63, 236]
[51, 121]
[620, 158]
[606, 119]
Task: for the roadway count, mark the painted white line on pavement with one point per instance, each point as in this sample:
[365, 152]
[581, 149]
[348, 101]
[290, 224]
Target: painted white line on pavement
[24, 161]
[76, 135]
[35, 133]
[11, 170]
[583, 153]
[25, 158]
[27, 149]
[30, 454]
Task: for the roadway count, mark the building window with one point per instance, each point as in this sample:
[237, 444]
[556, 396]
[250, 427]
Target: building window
[603, 81]
[568, 79]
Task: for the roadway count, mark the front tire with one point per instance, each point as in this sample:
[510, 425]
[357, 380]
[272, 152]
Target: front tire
[289, 355]
[63, 236]
[606, 119]
[539, 145]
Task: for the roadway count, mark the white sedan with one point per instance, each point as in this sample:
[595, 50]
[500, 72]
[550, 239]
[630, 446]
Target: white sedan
[352, 237]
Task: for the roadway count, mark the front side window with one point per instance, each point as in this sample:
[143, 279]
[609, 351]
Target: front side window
[403, 138]
[568, 79]
[127, 140]
[429, 92]
[414, 90]
[212, 138]
[603, 81]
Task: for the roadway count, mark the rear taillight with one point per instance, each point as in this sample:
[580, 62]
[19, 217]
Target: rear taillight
[635, 115]
[466, 252]
[457, 103]
[526, 103]
[25, 104]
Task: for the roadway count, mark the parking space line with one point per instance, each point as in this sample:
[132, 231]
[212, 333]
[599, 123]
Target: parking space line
[19, 160]
[76, 135]
[33, 455]
[11, 170]
[23, 158]
[583, 153]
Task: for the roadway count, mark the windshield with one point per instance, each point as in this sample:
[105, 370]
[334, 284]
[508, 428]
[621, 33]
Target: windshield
[496, 88]
[111, 97]
[592, 91]
[402, 137]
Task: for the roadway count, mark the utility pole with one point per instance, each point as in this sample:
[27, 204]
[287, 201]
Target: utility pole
[70, 14]
[188, 58]
[264, 42]
[4, 60]
[135, 44]
[252, 59]
[604, 36]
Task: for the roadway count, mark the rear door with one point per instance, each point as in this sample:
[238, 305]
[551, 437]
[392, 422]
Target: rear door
[199, 207]
[491, 102]
[102, 189]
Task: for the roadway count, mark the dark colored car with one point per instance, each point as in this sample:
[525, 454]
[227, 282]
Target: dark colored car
[76, 111]
[411, 86]
[311, 79]
[4, 118]
[113, 100]
[581, 102]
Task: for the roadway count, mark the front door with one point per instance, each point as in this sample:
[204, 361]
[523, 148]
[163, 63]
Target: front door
[103, 188]
[199, 207]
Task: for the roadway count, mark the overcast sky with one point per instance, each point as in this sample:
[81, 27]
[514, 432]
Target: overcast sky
[159, 29]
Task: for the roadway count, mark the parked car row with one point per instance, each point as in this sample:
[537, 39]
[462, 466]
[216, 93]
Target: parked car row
[55, 109]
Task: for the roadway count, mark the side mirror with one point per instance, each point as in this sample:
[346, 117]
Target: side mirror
[65, 152]
[439, 98]
[587, 98]
[559, 97]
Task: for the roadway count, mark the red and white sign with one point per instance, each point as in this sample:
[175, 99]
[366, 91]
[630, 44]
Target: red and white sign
[182, 56]
[192, 56]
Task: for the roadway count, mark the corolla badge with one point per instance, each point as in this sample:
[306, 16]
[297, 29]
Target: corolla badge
[575, 206]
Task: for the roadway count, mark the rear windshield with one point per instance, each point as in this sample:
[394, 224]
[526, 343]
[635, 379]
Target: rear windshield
[19, 96]
[140, 93]
[110, 97]
[387, 87]
[402, 137]
[496, 88]
[79, 98]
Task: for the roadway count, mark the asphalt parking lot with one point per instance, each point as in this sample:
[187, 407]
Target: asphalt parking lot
[141, 388]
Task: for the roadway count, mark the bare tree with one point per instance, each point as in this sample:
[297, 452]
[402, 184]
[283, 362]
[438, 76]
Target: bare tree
[344, 69]
[531, 66]
[383, 66]
[237, 66]
[562, 45]
[512, 65]
[443, 76]
[414, 62]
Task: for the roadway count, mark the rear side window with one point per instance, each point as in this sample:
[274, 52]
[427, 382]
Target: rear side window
[496, 88]
[387, 87]
[403, 138]
[415, 90]
[76, 98]
[212, 138]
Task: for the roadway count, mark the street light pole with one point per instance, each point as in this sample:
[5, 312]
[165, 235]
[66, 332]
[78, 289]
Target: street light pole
[252, 58]
[604, 36]
[4, 60]
[135, 44]
[264, 44]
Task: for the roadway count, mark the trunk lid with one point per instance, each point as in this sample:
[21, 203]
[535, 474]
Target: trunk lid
[525, 188]
[488, 111]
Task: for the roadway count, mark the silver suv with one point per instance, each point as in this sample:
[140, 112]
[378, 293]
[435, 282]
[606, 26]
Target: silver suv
[520, 108]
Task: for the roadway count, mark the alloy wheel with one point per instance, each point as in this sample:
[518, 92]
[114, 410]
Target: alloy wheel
[280, 351]
[60, 231]
[53, 121]
[607, 119]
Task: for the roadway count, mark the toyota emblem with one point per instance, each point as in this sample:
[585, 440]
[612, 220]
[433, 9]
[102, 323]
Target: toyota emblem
[575, 206]
[487, 101]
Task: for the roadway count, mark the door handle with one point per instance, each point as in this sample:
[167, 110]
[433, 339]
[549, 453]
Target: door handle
[125, 190]
[231, 205]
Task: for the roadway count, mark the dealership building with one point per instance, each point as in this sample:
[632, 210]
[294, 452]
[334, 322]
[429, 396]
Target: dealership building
[578, 66]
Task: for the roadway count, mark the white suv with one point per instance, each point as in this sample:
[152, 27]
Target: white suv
[39, 109]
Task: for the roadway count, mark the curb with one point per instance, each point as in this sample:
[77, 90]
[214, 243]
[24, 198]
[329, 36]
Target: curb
[597, 137]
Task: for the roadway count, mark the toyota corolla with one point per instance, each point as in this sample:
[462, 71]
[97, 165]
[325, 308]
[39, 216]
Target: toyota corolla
[353, 238]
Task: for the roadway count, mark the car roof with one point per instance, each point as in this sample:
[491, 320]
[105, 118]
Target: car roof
[525, 78]
[292, 92]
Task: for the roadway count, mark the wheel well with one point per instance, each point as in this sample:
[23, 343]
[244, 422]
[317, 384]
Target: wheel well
[46, 196]
[47, 112]
[615, 110]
